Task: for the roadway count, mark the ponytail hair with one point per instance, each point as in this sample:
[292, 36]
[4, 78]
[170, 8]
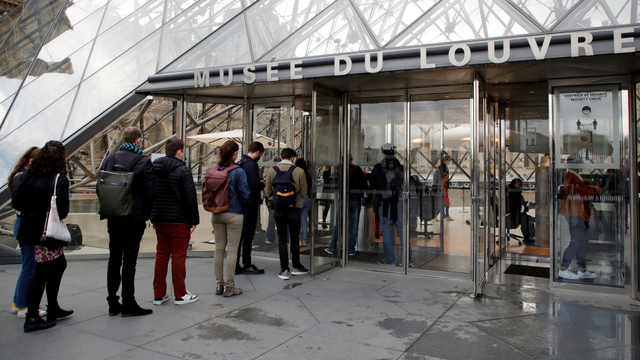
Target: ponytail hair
[226, 152]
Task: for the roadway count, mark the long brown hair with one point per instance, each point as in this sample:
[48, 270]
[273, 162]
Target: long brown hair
[50, 160]
[23, 162]
[226, 152]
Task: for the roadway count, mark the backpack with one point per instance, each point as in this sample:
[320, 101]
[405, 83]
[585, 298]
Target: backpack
[115, 189]
[215, 189]
[284, 190]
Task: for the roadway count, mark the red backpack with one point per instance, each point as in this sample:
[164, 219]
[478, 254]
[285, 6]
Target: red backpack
[215, 189]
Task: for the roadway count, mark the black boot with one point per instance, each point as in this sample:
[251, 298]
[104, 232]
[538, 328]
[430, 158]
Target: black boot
[133, 309]
[114, 306]
[55, 313]
[35, 323]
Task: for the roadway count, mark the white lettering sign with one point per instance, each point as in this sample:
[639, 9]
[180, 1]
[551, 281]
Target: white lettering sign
[618, 40]
[271, 72]
[249, 75]
[506, 52]
[367, 62]
[201, 78]
[576, 44]
[336, 65]
[423, 60]
[229, 80]
[295, 69]
[539, 53]
[465, 59]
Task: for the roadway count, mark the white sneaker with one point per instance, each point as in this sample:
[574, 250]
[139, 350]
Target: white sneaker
[566, 274]
[586, 275]
[14, 309]
[161, 300]
[186, 299]
[22, 313]
[435, 219]
[449, 218]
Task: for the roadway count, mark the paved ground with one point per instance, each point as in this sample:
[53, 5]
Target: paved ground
[348, 313]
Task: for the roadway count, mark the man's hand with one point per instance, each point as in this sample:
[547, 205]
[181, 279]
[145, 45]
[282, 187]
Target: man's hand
[193, 228]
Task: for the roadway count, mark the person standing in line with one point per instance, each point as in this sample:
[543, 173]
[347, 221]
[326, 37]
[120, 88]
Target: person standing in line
[125, 233]
[306, 204]
[575, 196]
[26, 250]
[45, 176]
[288, 220]
[174, 217]
[442, 181]
[249, 163]
[228, 225]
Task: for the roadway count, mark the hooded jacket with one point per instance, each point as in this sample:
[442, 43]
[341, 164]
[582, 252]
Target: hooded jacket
[176, 201]
[575, 196]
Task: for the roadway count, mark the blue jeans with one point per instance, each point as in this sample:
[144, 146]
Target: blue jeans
[304, 221]
[27, 272]
[579, 230]
[354, 217]
[387, 236]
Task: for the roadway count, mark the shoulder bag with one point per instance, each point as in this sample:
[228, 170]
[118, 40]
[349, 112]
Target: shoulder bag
[55, 232]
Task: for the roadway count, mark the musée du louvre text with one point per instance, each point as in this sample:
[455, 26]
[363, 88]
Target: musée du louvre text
[459, 54]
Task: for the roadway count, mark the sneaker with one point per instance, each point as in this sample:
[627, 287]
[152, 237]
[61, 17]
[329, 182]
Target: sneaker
[252, 269]
[160, 301]
[219, 289]
[352, 253]
[14, 309]
[267, 241]
[186, 299]
[449, 218]
[383, 262]
[232, 291]
[435, 219]
[22, 313]
[586, 275]
[566, 274]
[284, 275]
[37, 323]
[329, 251]
[301, 270]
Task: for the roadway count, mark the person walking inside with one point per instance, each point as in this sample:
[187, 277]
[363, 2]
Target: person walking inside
[227, 225]
[125, 233]
[287, 211]
[26, 250]
[45, 176]
[174, 217]
[249, 163]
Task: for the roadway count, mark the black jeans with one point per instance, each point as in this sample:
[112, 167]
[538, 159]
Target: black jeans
[288, 220]
[124, 244]
[248, 232]
[48, 274]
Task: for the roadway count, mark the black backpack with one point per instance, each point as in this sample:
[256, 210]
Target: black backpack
[284, 190]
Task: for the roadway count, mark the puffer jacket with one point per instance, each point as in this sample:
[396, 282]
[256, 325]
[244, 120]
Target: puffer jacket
[575, 196]
[175, 201]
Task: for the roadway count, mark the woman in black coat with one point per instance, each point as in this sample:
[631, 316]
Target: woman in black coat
[32, 198]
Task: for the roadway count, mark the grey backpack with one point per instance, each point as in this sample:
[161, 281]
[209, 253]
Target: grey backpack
[115, 190]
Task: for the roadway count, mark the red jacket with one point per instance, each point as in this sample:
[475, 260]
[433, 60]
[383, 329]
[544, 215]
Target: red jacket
[575, 195]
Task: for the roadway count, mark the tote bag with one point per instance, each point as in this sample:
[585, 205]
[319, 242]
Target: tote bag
[55, 232]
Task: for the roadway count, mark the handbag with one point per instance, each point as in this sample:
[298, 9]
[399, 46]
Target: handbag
[55, 233]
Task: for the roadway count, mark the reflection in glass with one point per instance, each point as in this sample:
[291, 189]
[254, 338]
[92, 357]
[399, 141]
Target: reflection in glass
[194, 25]
[118, 10]
[546, 12]
[112, 82]
[227, 46]
[9, 20]
[601, 13]
[338, 30]
[456, 20]
[389, 18]
[272, 21]
[110, 44]
[176, 7]
[4, 107]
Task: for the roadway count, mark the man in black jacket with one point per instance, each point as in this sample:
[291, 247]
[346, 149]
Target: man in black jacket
[174, 217]
[125, 233]
[249, 163]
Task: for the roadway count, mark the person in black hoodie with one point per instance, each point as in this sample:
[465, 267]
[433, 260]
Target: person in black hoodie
[32, 197]
[249, 163]
[125, 233]
[174, 217]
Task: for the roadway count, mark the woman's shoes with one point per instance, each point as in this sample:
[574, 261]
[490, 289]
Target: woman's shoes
[37, 323]
[54, 314]
[303, 243]
[231, 291]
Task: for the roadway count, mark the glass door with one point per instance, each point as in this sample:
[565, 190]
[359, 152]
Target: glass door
[636, 190]
[480, 171]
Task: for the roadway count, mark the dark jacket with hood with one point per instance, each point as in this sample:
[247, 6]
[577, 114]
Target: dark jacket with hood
[387, 180]
[143, 182]
[176, 201]
[32, 196]
[252, 170]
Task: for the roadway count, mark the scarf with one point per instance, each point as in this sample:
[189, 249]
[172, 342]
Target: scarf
[132, 147]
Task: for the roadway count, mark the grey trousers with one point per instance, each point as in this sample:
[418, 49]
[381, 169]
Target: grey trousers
[227, 228]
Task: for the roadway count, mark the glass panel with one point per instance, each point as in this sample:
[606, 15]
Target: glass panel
[637, 100]
[527, 179]
[10, 19]
[546, 12]
[328, 203]
[45, 126]
[227, 46]
[456, 20]
[272, 21]
[196, 24]
[440, 175]
[590, 173]
[479, 182]
[4, 107]
[601, 13]
[378, 147]
[388, 18]
[125, 34]
[113, 82]
[81, 9]
[338, 30]
[175, 7]
[118, 10]
[46, 89]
